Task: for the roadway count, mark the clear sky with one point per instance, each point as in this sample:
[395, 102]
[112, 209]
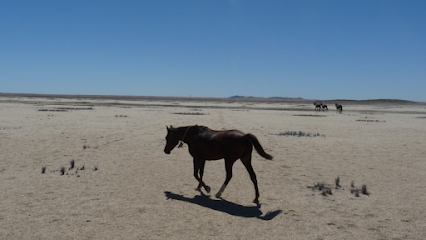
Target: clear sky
[329, 49]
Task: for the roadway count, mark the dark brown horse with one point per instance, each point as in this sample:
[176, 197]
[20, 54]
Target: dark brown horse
[317, 106]
[339, 108]
[206, 144]
[324, 107]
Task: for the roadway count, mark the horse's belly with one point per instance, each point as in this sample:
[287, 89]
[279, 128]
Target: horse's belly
[212, 158]
[213, 155]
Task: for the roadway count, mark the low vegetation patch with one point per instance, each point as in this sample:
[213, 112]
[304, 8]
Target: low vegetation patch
[300, 134]
[190, 113]
[356, 191]
[9, 128]
[53, 110]
[323, 188]
[72, 108]
[368, 120]
[309, 115]
[326, 189]
[72, 170]
[63, 109]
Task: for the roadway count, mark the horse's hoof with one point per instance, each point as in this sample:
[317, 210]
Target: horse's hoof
[218, 195]
[207, 188]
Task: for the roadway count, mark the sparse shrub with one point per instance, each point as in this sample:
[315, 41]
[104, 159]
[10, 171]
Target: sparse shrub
[322, 188]
[309, 115]
[327, 191]
[72, 162]
[368, 120]
[299, 134]
[364, 190]
[190, 113]
[337, 182]
[356, 192]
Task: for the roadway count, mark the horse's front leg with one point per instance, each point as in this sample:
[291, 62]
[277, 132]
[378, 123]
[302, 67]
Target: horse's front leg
[199, 169]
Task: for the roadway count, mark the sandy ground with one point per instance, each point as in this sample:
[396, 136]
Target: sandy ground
[130, 189]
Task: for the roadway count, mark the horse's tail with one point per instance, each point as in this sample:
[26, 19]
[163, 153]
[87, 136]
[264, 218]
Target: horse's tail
[258, 147]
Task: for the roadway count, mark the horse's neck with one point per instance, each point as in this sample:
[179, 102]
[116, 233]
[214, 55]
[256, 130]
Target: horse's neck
[186, 133]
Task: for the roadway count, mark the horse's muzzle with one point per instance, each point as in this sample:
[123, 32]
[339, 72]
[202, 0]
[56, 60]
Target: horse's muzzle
[167, 151]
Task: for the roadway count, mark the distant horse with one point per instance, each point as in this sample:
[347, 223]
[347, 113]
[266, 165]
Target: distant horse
[324, 107]
[206, 144]
[317, 106]
[339, 108]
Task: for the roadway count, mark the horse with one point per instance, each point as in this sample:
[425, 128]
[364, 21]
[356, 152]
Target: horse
[207, 144]
[317, 106]
[339, 108]
[324, 107]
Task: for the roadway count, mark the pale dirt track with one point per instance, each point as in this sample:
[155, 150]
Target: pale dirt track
[138, 192]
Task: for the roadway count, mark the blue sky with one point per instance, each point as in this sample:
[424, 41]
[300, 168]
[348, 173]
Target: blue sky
[212, 48]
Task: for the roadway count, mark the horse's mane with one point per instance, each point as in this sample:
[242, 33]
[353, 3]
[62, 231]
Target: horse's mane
[198, 127]
[202, 128]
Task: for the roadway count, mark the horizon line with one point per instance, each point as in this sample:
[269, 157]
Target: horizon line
[234, 97]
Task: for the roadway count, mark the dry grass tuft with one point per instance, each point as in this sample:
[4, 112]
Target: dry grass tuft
[300, 134]
[72, 163]
[337, 182]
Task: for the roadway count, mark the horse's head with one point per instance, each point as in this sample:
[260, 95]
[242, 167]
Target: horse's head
[171, 140]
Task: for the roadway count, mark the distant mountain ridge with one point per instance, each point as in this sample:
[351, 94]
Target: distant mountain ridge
[251, 97]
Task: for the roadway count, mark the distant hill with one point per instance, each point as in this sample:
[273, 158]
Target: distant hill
[277, 98]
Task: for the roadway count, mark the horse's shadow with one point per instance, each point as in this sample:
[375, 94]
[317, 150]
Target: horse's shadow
[225, 206]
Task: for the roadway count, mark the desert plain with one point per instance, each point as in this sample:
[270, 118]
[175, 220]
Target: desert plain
[123, 185]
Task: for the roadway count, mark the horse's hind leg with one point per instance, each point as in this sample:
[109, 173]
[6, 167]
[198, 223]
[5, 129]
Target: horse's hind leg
[247, 163]
[228, 167]
[199, 168]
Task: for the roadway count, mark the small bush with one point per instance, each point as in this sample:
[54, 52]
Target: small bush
[309, 115]
[299, 134]
[368, 120]
[325, 190]
[337, 182]
[72, 162]
[190, 113]
[364, 190]
[357, 191]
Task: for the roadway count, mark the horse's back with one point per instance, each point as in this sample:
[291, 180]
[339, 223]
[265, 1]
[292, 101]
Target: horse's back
[221, 144]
